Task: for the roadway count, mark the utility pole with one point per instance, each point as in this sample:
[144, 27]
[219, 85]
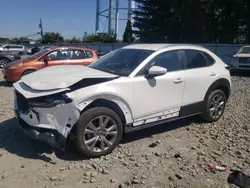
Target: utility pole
[41, 28]
[116, 17]
[97, 16]
[111, 7]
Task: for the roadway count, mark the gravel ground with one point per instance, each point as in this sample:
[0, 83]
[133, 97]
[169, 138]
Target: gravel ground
[172, 155]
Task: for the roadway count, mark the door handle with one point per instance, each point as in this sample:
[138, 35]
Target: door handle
[178, 80]
[213, 74]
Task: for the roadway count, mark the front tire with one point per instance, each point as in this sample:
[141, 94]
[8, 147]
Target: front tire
[98, 131]
[215, 106]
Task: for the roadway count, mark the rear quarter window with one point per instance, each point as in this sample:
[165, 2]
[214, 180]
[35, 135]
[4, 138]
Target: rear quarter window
[89, 54]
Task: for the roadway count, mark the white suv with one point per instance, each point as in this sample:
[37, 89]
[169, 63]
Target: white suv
[128, 89]
[13, 47]
[241, 60]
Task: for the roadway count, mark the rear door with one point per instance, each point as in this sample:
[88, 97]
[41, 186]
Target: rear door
[80, 57]
[58, 57]
[200, 74]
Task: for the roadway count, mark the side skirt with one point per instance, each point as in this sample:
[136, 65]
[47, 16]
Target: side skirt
[185, 111]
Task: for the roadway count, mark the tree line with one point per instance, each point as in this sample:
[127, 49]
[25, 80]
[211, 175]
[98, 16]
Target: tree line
[55, 37]
[193, 21]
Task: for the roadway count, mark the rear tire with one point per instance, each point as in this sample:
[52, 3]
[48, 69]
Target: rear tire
[98, 131]
[215, 106]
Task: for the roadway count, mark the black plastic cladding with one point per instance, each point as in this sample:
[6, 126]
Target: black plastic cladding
[89, 82]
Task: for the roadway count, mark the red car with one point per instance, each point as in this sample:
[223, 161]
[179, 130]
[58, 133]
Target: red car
[49, 57]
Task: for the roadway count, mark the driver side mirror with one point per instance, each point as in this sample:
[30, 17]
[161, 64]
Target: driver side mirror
[156, 71]
[46, 60]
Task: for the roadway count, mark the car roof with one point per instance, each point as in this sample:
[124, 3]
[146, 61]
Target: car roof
[72, 47]
[155, 46]
[12, 45]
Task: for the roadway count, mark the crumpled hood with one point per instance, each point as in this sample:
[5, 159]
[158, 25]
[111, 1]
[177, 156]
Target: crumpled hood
[59, 77]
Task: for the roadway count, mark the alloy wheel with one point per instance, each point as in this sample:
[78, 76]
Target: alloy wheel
[217, 105]
[100, 133]
[3, 62]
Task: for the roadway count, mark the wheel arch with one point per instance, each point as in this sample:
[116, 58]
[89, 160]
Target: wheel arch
[115, 103]
[222, 84]
[3, 57]
[26, 70]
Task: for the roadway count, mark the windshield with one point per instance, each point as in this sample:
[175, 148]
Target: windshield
[38, 54]
[121, 62]
[244, 50]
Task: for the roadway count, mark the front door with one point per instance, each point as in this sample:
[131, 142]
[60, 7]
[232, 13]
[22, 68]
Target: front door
[58, 57]
[159, 97]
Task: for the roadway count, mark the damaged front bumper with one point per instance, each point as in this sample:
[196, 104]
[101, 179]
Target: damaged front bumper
[48, 124]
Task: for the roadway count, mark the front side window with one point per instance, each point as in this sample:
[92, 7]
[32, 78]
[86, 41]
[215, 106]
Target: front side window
[17, 47]
[122, 61]
[37, 55]
[195, 59]
[58, 55]
[169, 60]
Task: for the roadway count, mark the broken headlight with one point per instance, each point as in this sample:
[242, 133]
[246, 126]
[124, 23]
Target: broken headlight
[50, 101]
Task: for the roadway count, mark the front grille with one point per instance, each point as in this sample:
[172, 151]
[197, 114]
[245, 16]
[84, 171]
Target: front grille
[244, 60]
[22, 102]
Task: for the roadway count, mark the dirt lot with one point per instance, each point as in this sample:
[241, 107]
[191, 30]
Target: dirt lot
[171, 155]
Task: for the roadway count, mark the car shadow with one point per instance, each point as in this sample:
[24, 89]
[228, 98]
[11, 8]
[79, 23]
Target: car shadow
[13, 140]
[158, 129]
[5, 84]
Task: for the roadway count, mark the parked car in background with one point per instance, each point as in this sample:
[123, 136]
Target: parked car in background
[49, 57]
[37, 49]
[6, 58]
[13, 47]
[128, 89]
[241, 60]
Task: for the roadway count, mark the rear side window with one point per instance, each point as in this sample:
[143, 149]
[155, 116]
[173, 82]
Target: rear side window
[81, 54]
[14, 47]
[197, 59]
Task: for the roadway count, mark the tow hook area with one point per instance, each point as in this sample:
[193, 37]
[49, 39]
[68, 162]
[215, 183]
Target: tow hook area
[51, 125]
[52, 137]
